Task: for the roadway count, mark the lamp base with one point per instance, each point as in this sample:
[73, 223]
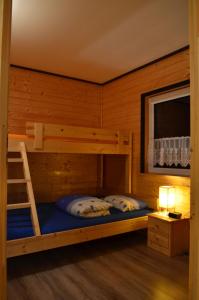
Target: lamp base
[163, 213]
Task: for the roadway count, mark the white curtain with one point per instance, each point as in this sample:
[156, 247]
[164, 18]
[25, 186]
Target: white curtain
[169, 151]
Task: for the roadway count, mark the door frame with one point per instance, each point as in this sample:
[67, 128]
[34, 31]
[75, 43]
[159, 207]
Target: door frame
[5, 35]
[194, 85]
[5, 29]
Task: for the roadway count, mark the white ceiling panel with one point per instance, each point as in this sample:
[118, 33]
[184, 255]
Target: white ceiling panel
[95, 40]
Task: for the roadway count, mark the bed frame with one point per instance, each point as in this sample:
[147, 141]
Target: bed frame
[50, 138]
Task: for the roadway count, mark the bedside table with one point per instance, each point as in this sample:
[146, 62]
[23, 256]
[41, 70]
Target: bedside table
[167, 235]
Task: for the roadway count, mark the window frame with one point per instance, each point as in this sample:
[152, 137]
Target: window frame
[164, 94]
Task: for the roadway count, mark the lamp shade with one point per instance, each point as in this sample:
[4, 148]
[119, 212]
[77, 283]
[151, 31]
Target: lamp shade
[166, 197]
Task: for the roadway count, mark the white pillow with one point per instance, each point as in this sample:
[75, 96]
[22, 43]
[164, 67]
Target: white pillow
[88, 207]
[122, 203]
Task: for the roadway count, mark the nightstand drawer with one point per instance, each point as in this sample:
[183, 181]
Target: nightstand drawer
[159, 240]
[158, 226]
[168, 236]
[158, 248]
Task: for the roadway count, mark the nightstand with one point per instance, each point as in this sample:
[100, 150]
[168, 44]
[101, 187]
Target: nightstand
[167, 235]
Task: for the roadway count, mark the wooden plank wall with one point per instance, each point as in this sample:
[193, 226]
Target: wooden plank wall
[54, 175]
[46, 98]
[38, 97]
[121, 110]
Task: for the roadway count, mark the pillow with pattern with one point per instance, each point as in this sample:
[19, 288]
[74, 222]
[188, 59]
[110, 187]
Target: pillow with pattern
[84, 206]
[125, 203]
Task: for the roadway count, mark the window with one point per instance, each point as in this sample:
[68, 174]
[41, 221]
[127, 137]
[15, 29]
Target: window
[166, 129]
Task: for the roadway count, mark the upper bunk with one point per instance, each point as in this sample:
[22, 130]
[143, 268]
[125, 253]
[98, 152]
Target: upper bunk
[53, 138]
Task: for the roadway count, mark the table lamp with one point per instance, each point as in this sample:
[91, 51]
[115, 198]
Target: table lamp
[166, 199]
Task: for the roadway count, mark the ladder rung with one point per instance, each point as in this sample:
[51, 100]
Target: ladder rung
[15, 181]
[27, 179]
[18, 205]
[15, 160]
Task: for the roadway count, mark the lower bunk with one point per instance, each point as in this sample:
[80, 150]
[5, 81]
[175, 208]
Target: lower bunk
[59, 228]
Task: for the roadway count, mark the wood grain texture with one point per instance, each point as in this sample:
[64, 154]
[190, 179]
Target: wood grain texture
[121, 110]
[37, 97]
[74, 236]
[114, 176]
[167, 235]
[194, 230]
[5, 31]
[117, 268]
[54, 175]
[29, 190]
[53, 144]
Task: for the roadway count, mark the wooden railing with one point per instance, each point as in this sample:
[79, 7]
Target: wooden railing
[68, 139]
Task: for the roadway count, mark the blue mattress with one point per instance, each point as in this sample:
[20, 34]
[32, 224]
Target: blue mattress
[52, 219]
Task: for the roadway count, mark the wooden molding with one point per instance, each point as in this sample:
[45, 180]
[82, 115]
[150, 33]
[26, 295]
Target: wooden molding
[110, 80]
[147, 64]
[56, 74]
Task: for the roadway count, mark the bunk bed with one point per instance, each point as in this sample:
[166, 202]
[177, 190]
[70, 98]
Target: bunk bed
[51, 138]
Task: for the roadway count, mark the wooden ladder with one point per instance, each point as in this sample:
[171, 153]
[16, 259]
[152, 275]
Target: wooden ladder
[27, 180]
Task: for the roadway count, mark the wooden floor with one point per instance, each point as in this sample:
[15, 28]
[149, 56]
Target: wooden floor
[120, 268]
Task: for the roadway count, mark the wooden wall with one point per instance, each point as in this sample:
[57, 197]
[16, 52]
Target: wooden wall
[51, 99]
[54, 175]
[45, 98]
[121, 110]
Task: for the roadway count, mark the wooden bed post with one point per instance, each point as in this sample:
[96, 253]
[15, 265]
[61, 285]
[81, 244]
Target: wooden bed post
[128, 168]
[38, 133]
[194, 230]
[69, 139]
[5, 25]
[101, 172]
